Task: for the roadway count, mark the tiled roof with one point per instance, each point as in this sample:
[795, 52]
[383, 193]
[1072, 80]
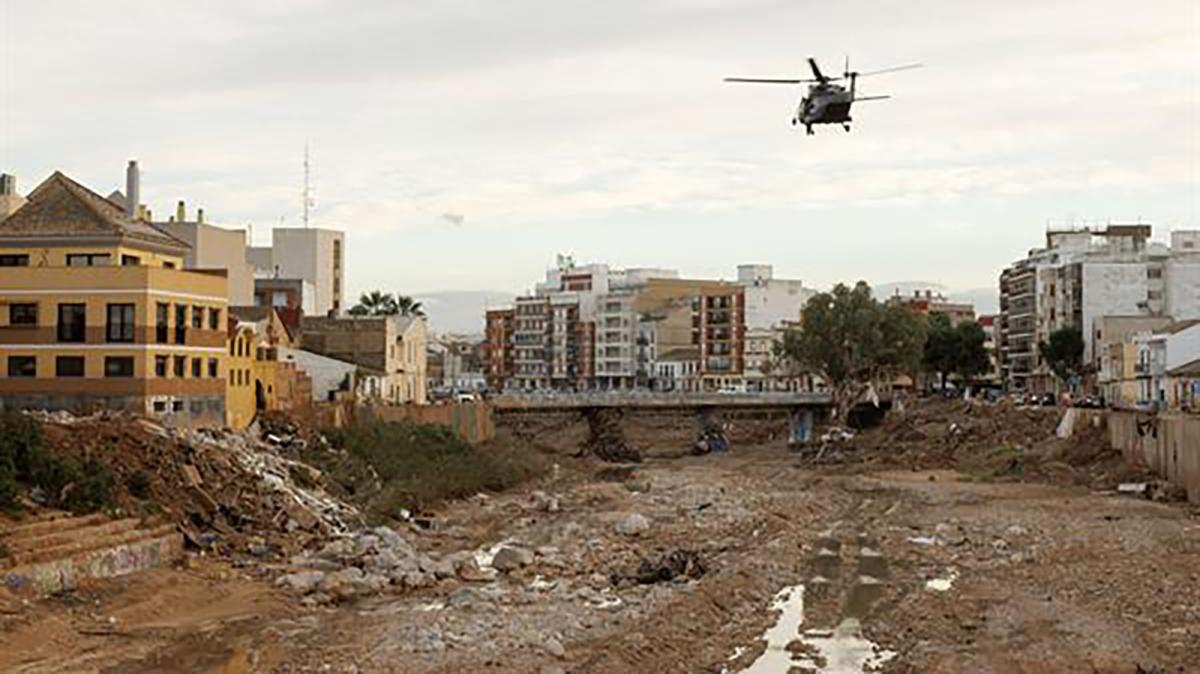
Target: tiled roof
[61, 207]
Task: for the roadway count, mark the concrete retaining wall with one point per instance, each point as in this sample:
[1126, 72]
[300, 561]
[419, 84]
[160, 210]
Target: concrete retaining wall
[63, 574]
[1169, 444]
[470, 421]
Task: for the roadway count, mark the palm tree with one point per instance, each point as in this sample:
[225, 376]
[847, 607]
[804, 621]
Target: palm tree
[375, 303]
[407, 306]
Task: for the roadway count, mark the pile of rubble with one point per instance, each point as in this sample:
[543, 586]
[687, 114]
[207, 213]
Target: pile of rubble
[229, 492]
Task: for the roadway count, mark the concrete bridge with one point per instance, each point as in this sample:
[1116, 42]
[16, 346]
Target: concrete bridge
[802, 408]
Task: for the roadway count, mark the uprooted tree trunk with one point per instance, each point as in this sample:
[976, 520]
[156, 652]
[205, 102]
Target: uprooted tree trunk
[606, 439]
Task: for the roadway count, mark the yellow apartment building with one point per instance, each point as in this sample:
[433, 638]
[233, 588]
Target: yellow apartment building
[96, 312]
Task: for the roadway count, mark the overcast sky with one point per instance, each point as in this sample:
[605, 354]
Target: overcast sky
[603, 129]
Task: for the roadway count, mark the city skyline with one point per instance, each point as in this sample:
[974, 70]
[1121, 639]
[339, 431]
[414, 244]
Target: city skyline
[543, 129]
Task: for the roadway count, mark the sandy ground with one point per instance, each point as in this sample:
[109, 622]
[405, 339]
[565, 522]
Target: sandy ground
[905, 571]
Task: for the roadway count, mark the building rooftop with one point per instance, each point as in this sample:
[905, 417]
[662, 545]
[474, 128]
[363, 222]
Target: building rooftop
[61, 207]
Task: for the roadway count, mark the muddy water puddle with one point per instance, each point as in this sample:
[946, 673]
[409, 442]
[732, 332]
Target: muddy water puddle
[842, 649]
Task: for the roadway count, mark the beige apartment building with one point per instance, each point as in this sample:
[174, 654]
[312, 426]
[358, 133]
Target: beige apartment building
[96, 312]
[390, 351]
[212, 247]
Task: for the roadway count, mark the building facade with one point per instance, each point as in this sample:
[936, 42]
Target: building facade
[212, 247]
[390, 349]
[314, 255]
[97, 312]
[1080, 277]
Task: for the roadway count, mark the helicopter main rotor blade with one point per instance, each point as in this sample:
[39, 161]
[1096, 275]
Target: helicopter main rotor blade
[891, 70]
[756, 80]
[870, 98]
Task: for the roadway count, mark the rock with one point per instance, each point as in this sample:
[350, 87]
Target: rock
[544, 502]
[511, 558]
[302, 582]
[638, 485]
[554, 647]
[416, 580]
[633, 524]
[342, 548]
[344, 584]
[552, 669]
[442, 568]
[365, 544]
[465, 596]
[376, 582]
[468, 570]
[1016, 530]
[390, 539]
[384, 561]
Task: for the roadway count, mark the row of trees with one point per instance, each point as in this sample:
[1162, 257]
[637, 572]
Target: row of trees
[852, 340]
[379, 303]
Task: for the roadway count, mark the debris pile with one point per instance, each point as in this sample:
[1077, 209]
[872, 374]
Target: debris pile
[674, 565]
[368, 562]
[605, 438]
[229, 492]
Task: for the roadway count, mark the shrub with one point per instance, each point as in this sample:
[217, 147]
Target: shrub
[138, 484]
[421, 465]
[80, 487]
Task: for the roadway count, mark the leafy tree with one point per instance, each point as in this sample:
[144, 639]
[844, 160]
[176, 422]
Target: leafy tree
[1063, 353]
[375, 303]
[407, 306]
[852, 341]
[955, 350]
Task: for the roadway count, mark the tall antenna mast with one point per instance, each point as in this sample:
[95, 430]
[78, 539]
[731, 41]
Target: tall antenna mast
[308, 192]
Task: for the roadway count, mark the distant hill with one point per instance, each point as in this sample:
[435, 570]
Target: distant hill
[461, 311]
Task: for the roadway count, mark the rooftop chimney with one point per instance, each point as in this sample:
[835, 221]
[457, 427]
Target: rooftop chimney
[180, 212]
[8, 184]
[133, 189]
[200, 215]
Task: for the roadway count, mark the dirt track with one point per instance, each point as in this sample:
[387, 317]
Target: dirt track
[1041, 579]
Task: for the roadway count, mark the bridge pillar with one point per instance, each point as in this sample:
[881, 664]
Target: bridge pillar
[801, 427]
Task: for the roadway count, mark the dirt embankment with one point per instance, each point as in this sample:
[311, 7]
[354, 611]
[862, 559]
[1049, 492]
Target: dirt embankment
[988, 442]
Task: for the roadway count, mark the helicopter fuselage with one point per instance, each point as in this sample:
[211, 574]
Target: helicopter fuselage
[825, 104]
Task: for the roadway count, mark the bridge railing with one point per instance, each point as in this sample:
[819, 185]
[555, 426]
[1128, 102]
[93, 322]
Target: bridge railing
[657, 399]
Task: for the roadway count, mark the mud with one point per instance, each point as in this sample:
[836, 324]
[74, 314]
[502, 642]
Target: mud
[888, 568]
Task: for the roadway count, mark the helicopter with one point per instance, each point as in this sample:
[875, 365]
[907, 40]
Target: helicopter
[827, 102]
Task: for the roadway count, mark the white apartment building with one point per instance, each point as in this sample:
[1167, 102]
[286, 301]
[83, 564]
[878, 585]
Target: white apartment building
[1081, 276]
[310, 254]
[770, 301]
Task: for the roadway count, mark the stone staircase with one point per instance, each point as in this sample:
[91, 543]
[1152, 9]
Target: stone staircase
[55, 551]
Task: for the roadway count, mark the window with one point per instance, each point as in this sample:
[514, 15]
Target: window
[197, 317]
[160, 406]
[176, 405]
[118, 366]
[212, 368]
[130, 261]
[72, 323]
[22, 366]
[22, 314]
[180, 366]
[88, 259]
[214, 319]
[196, 367]
[120, 323]
[160, 366]
[168, 265]
[14, 260]
[68, 366]
[162, 316]
[180, 323]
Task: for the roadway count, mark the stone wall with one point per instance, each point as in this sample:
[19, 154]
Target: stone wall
[470, 421]
[1169, 444]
